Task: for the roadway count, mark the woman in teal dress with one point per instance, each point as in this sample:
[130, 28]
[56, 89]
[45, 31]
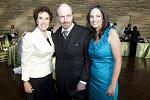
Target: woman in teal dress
[104, 51]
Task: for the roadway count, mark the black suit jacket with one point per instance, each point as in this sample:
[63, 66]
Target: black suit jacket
[72, 60]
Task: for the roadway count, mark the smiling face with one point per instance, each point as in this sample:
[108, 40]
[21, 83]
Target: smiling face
[96, 18]
[65, 16]
[43, 21]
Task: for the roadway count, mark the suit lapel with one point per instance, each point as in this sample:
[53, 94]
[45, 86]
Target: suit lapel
[40, 42]
[72, 37]
[50, 39]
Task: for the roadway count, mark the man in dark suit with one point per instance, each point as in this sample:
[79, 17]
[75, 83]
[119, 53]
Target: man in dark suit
[135, 34]
[72, 61]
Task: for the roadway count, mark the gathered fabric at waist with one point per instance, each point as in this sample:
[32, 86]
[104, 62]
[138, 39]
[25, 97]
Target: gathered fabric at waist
[40, 70]
[102, 69]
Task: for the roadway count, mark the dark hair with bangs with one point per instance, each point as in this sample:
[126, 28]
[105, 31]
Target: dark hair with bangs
[42, 9]
[105, 22]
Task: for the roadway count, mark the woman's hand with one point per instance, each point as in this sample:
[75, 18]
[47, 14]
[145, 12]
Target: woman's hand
[111, 90]
[27, 87]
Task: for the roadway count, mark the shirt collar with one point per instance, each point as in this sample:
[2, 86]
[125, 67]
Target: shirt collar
[69, 29]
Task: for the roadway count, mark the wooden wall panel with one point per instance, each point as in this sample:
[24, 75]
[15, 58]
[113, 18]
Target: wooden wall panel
[12, 10]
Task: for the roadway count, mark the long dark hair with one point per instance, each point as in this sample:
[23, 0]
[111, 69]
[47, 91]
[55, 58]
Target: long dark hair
[105, 22]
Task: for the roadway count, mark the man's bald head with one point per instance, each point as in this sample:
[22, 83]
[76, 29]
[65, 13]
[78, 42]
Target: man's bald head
[65, 15]
[64, 7]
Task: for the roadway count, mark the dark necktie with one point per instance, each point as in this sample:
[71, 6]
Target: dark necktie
[65, 34]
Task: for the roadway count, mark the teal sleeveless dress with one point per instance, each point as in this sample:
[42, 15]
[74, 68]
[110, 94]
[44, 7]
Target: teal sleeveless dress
[101, 69]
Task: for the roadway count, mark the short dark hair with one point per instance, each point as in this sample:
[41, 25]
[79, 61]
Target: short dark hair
[129, 25]
[104, 24]
[134, 28]
[42, 9]
[115, 24]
